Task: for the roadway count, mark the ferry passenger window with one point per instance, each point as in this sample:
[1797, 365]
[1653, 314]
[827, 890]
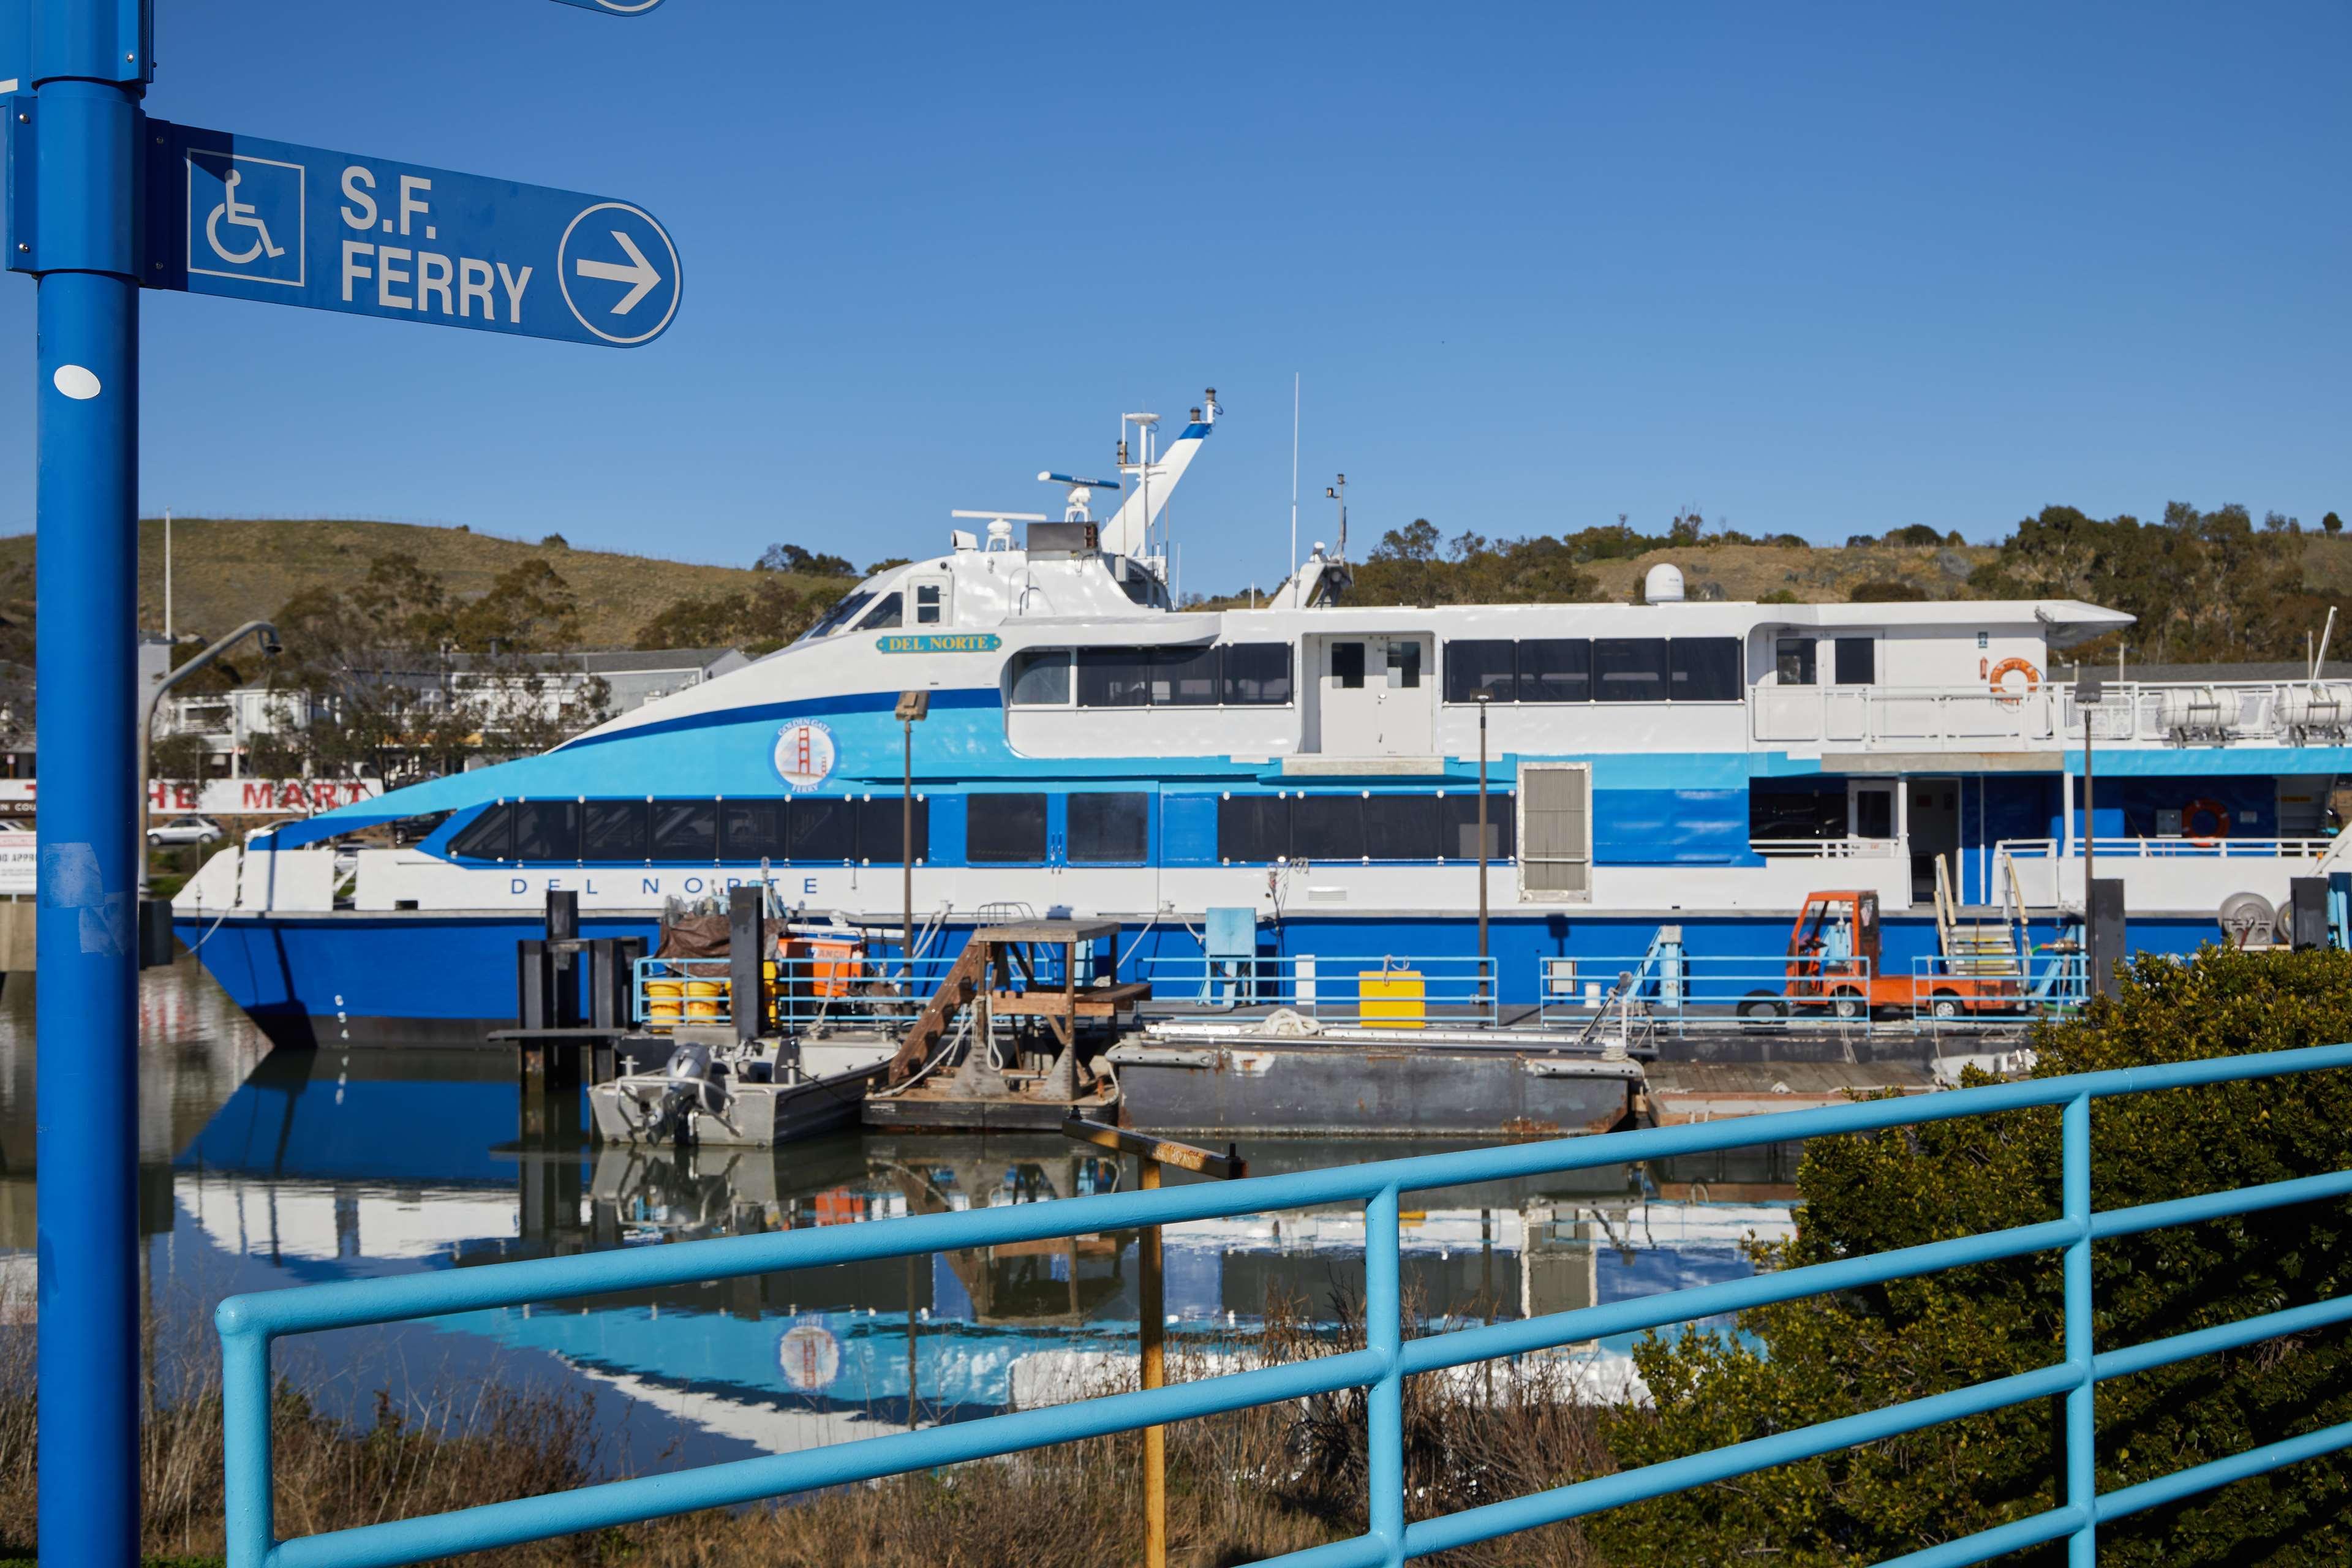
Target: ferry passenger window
[1257, 672]
[753, 829]
[1630, 669]
[1459, 811]
[820, 829]
[1801, 814]
[1328, 827]
[1005, 829]
[928, 608]
[1480, 664]
[1110, 829]
[685, 830]
[1402, 827]
[1857, 664]
[1348, 665]
[878, 822]
[1254, 828]
[1792, 660]
[839, 616]
[1873, 814]
[1114, 677]
[1042, 680]
[488, 837]
[1556, 669]
[615, 831]
[891, 612]
[1184, 676]
[547, 830]
[1707, 669]
[1404, 664]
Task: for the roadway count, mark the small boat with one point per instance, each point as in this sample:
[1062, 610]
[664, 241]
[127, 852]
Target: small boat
[755, 1094]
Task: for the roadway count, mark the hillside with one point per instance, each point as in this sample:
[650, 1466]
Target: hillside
[228, 569]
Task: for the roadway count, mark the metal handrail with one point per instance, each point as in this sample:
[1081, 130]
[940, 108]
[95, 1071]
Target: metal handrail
[249, 1324]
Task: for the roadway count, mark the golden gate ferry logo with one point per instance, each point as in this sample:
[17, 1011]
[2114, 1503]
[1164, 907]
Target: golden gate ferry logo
[804, 753]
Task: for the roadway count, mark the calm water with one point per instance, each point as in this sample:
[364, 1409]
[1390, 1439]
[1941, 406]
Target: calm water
[264, 1170]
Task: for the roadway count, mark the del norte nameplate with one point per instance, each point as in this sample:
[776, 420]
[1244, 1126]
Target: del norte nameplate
[301, 225]
[941, 642]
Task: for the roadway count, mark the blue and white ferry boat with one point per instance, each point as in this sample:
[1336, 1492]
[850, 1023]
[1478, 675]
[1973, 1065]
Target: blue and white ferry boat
[1090, 749]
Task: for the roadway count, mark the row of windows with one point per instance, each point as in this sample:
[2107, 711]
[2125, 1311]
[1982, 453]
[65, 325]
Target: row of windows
[1593, 669]
[1234, 675]
[1108, 830]
[1334, 828]
[819, 831]
[1796, 660]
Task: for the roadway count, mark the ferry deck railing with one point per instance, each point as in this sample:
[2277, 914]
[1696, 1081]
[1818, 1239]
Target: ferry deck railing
[250, 1324]
[1692, 991]
[2296, 712]
[1960, 992]
[2120, 847]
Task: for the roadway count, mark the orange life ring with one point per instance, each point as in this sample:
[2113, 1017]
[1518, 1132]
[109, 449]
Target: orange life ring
[2011, 665]
[2204, 807]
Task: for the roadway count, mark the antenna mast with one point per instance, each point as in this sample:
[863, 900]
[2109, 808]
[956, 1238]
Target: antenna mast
[1293, 484]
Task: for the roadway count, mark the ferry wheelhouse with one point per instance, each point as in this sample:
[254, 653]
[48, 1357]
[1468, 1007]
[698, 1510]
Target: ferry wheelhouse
[1704, 768]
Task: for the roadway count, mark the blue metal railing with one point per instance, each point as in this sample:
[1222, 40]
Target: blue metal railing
[248, 1324]
[1372, 989]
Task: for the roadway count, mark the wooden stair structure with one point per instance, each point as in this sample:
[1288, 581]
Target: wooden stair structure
[958, 989]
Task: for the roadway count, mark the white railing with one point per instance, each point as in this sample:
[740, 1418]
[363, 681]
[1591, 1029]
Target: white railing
[2107, 848]
[1826, 849]
[2291, 712]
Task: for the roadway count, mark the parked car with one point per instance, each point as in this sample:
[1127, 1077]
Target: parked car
[185, 831]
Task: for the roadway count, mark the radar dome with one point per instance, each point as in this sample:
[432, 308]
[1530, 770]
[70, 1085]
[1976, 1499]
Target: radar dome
[1663, 585]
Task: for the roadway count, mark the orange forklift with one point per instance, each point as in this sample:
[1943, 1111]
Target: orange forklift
[1834, 967]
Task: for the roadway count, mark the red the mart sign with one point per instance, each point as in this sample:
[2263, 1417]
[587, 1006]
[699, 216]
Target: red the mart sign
[225, 797]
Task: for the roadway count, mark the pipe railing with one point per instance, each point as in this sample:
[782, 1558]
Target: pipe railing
[249, 1325]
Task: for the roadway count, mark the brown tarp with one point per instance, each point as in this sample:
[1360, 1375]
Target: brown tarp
[693, 936]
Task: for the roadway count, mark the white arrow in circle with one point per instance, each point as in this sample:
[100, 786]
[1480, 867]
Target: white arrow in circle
[639, 273]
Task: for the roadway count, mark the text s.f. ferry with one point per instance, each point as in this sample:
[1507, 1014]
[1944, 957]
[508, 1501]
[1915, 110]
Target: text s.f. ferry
[1090, 749]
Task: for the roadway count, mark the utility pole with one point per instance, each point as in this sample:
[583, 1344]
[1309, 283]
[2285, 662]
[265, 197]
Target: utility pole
[82, 125]
[913, 708]
[167, 574]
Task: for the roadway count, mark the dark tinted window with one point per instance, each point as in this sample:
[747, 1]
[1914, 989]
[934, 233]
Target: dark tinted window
[1348, 664]
[1184, 676]
[488, 837]
[1795, 814]
[1114, 677]
[1109, 829]
[1005, 829]
[1856, 663]
[685, 830]
[822, 829]
[1460, 829]
[1257, 672]
[1873, 814]
[1254, 828]
[753, 829]
[1327, 828]
[889, 612]
[879, 822]
[615, 831]
[547, 830]
[1707, 669]
[1405, 663]
[1402, 827]
[1792, 657]
[1630, 669]
[1480, 664]
[1555, 669]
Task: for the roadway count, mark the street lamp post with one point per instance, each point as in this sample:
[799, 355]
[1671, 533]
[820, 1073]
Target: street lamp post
[913, 708]
[1485, 697]
[270, 647]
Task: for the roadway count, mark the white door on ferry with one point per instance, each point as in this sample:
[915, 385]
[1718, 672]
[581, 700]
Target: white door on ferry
[1374, 696]
[931, 601]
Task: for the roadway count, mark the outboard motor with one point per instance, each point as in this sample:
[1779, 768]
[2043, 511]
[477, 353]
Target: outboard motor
[689, 1072]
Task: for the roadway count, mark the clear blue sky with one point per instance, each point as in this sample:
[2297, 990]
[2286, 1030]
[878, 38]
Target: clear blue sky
[1816, 268]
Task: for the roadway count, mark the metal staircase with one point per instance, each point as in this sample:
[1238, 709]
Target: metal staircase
[957, 990]
[1976, 948]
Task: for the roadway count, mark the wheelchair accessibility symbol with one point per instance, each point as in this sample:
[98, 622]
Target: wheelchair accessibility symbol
[246, 217]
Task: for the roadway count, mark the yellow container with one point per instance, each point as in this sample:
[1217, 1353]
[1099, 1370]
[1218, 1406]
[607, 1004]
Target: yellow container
[662, 1005]
[702, 999]
[1393, 998]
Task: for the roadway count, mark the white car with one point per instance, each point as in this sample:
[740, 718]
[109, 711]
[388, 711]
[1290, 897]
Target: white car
[185, 831]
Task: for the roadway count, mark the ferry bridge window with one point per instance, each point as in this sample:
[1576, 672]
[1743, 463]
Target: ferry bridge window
[1184, 676]
[685, 830]
[616, 830]
[822, 830]
[1256, 673]
[1404, 664]
[1707, 669]
[1555, 669]
[1481, 664]
[1792, 660]
[927, 605]
[1110, 829]
[839, 616]
[1254, 828]
[891, 612]
[879, 819]
[1402, 827]
[1458, 827]
[752, 830]
[1114, 677]
[1005, 829]
[488, 837]
[547, 830]
[1857, 664]
[1630, 669]
[1327, 828]
[1042, 680]
[1348, 665]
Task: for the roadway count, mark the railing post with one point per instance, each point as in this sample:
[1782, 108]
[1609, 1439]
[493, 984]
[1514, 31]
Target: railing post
[2082, 1433]
[1385, 1401]
[1154, 1327]
[247, 1505]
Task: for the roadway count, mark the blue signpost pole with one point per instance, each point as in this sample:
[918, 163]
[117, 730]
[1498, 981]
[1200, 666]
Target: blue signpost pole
[83, 117]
